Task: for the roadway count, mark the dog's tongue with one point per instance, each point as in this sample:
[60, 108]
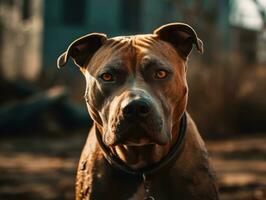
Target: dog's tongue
[136, 136]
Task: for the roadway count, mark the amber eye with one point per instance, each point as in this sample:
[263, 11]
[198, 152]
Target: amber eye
[160, 74]
[107, 77]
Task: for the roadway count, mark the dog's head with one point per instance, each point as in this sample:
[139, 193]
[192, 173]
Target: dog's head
[136, 85]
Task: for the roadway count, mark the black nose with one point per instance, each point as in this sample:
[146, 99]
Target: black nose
[137, 108]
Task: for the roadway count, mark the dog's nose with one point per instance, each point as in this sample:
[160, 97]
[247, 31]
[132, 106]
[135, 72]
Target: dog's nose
[137, 108]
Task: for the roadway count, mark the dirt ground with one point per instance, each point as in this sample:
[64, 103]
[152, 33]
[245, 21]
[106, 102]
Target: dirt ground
[43, 168]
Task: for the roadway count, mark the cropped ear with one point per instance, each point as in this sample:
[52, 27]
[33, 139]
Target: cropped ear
[181, 36]
[82, 50]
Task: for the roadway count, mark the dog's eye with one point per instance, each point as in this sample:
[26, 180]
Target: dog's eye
[107, 77]
[160, 74]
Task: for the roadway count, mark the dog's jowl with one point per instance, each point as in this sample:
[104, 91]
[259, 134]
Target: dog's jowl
[143, 143]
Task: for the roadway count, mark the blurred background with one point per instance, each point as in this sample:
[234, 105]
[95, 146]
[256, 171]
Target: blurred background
[43, 117]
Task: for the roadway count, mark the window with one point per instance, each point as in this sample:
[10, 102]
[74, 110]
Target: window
[26, 9]
[130, 15]
[74, 12]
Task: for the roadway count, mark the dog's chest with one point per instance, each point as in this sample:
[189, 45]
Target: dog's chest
[138, 194]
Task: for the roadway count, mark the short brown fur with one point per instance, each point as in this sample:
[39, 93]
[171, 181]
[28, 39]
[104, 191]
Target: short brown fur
[137, 58]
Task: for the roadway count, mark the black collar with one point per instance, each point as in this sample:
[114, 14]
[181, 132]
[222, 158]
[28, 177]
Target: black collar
[171, 156]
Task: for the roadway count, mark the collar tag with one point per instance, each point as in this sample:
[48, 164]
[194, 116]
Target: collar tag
[146, 185]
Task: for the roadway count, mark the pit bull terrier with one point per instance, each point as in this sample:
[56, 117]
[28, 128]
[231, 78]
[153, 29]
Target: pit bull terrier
[143, 143]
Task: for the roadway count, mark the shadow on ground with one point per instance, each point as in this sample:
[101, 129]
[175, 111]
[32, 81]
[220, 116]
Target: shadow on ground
[44, 168]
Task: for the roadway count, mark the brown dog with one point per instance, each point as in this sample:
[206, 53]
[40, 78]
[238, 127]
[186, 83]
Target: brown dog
[143, 144]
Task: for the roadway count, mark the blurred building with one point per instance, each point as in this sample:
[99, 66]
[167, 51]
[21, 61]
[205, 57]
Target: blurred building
[248, 21]
[34, 32]
[65, 20]
[21, 26]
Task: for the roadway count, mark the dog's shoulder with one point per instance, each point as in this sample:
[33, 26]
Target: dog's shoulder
[194, 135]
[89, 161]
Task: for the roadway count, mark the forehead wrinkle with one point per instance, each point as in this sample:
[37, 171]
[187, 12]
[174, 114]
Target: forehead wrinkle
[152, 46]
[125, 45]
[134, 53]
[117, 43]
[112, 52]
[148, 62]
[145, 40]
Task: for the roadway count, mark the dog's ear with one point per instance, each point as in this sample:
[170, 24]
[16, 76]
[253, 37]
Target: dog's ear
[181, 36]
[82, 50]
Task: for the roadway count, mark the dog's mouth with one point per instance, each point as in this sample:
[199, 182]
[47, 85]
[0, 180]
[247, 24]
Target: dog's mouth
[137, 135]
[130, 136]
[138, 142]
